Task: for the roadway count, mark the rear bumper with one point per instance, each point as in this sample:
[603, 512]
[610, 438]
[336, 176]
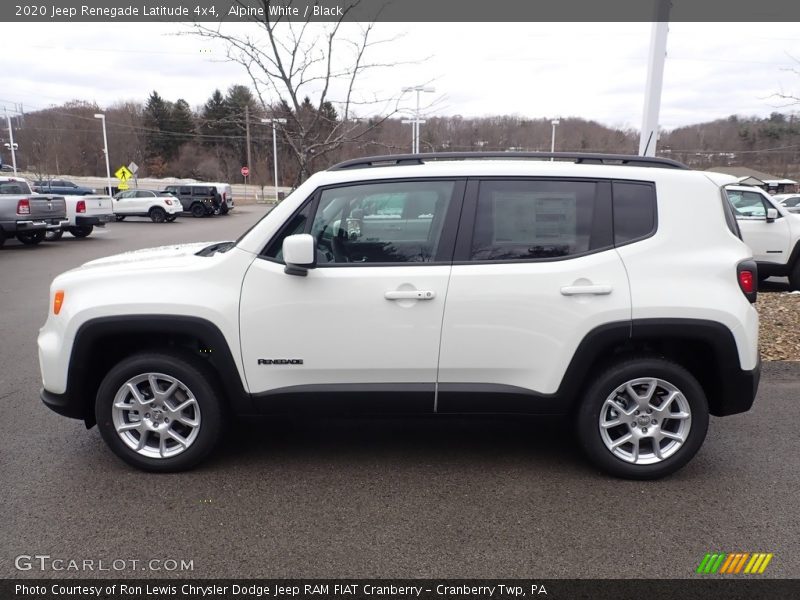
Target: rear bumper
[33, 224]
[739, 390]
[99, 220]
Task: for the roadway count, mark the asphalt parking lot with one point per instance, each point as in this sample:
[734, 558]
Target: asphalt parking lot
[420, 497]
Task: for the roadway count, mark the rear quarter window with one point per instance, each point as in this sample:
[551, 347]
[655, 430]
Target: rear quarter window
[634, 206]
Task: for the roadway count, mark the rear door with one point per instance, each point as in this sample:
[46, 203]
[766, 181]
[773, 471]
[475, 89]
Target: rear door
[534, 271]
[365, 323]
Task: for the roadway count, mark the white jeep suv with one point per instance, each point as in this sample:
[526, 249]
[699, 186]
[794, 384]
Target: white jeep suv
[611, 289]
[771, 231]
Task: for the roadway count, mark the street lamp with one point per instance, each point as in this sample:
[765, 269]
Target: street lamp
[12, 146]
[274, 150]
[102, 117]
[554, 122]
[416, 121]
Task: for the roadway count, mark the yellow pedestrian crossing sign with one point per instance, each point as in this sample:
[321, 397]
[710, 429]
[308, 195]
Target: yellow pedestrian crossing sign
[122, 186]
[123, 174]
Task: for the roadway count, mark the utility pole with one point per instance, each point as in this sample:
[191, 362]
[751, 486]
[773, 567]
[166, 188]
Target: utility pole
[554, 123]
[11, 145]
[274, 152]
[415, 123]
[247, 133]
[102, 117]
[655, 78]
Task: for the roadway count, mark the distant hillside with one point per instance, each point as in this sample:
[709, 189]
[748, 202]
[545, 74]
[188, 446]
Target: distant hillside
[169, 139]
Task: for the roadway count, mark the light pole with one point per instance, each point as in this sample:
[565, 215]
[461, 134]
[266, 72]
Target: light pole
[416, 122]
[274, 150]
[554, 122]
[102, 117]
[12, 146]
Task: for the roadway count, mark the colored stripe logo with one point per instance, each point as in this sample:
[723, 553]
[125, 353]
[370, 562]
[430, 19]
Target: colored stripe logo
[734, 563]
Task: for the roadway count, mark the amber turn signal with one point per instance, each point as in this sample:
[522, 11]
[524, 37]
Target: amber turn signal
[58, 300]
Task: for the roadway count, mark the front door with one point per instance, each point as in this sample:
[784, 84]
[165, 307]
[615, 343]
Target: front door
[364, 325]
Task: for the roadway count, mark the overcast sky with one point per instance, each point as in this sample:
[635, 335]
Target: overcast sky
[590, 70]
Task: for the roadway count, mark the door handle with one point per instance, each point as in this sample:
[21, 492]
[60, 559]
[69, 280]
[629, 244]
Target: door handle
[410, 295]
[575, 290]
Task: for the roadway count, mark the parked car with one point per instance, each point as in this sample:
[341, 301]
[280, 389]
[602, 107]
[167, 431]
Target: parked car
[196, 199]
[789, 201]
[158, 206]
[61, 186]
[771, 231]
[28, 216]
[84, 213]
[441, 284]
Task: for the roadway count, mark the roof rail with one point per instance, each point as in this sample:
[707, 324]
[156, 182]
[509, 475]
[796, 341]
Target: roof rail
[577, 157]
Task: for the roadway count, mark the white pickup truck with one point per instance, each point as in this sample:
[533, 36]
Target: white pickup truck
[84, 213]
[771, 231]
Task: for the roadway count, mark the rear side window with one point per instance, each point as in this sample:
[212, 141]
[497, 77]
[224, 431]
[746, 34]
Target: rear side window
[517, 220]
[634, 211]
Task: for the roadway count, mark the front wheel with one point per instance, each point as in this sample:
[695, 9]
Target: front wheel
[794, 276]
[82, 231]
[643, 418]
[31, 238]
[159, 412]
[158, 214]
[198, 210]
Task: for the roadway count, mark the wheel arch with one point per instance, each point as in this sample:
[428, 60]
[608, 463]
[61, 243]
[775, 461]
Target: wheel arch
[101, 343]
[707, 349]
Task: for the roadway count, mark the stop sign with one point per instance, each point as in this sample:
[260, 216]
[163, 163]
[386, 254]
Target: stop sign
[245, 171]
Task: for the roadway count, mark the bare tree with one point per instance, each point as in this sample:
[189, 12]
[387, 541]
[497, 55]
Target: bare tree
[289, 63]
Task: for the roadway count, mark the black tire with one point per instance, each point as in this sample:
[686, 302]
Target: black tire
[794, 276]
[604, 385]
[157, 214]
[2, 237]
[198, 210]
[31, 238]
[223, 210]
[120, 217]
[171, 218]
[82, 231]
[54, 234]
[188, 371]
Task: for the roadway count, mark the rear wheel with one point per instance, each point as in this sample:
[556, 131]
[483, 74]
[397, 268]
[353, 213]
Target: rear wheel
[198, 210]
[157, 214]
[119, 217]
[171, 218]
[643, 418]
[53, 235]
[82, 231]
[31, 238]
[159, 412]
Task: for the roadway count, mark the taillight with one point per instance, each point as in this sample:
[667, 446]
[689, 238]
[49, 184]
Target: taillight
[747, 276]
[81, 206]
[58, 301]
[24, 207]
[747, 282]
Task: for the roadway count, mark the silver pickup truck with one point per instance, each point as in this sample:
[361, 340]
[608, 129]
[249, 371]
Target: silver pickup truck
[26, 215]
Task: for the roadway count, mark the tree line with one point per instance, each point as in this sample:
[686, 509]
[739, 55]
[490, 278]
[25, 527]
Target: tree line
[169, 138]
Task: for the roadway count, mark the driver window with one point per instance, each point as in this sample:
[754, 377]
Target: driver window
[396, 222]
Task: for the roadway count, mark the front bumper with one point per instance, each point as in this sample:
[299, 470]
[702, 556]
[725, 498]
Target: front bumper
[62, 404]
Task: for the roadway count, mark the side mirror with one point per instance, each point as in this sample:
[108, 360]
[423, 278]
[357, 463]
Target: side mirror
[772, 214]
[299, 254]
